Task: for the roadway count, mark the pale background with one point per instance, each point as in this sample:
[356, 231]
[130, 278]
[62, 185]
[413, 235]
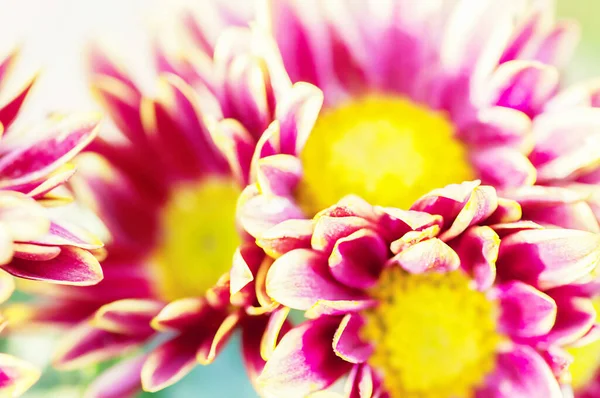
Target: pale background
[53, 34]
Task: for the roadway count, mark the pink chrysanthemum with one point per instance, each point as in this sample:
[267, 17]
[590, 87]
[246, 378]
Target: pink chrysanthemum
[417, 96]
[34, 243]
[167, 192]
[456, 297]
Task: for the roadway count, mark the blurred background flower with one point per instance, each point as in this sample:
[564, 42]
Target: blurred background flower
[53, 35]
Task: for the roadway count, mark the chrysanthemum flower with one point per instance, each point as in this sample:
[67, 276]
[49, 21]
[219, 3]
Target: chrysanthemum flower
[455, 297]
[417, 96]
[35, 244]
[167, 192]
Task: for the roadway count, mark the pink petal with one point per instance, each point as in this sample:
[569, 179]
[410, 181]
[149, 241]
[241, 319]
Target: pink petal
[286, 236]
[520, 373]
[548, 258]
[73, 266]
[427, 256]
[328, 230]
[304, 361]
[127, 316]
[357, 260]
[65, 139]
[300, 278]
[524, 310]
[237, 145]
[279, 174]
[504, 168]
[477, 249]
[574, 319]
[119, 381]
[169, 363]
[347, 343]
[16, 376]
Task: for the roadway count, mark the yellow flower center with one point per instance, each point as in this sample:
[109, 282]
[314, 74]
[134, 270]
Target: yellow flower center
[388, 150]
[434, 336]
[586, 363]
[198, 238]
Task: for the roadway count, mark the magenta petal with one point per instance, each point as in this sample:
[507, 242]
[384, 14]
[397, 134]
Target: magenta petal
[169, 363]
[73, 266]
[246, 261]
[524, 310]
[61, 234]
[286, 236]
[574, 319]
[520, 373]
[347, 343]
[63, 142]
[428, 255]
[261, 212]
[357, 260]
[300, 278]
[548, 258]
[329, 229]
[279, 174]
[304, 361]
[119, 381]
[253, 329]
[498, 127]
[477, 249]
[504, 168]
[16, 376]
[237, 145]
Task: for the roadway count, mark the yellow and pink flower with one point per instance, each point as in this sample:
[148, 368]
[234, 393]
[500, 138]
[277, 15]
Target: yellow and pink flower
[456, 297]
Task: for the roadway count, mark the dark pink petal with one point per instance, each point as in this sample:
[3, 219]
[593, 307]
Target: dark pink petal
[520, 373]
[574, 319]
[65, 139]
[524, 310]
[304, 361]
[427, 256]
[297, 114]
[85, 345]
[347, 343]
[498, 127]
[212, 346]
[182, 314]
[253, 329]
[504, 168]
[523, 85]
[169, 363]
[73, 266]
[357, 260]
[300, 278]
[362, 383]
[477, 249]
[329, 229]
[286, 236]
[548, 258]
[31, 252]
[122, 380]
[16, 376]
[127, 316]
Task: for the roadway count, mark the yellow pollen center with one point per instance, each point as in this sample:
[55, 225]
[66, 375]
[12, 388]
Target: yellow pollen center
[586, 359]
[198, 238]
[434, 336]
[388, 150]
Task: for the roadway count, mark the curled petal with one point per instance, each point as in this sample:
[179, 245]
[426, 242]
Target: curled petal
[300, 278]
[329, 229]
[428, 255]
[347, 343]
[286, 236]
[279, 174]
[477, 249]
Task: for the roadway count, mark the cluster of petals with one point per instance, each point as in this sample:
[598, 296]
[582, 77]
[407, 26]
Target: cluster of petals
[540, 278]
[36, 243]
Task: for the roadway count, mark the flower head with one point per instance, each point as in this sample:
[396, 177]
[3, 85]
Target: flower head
[417, 96]
[455, 297]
